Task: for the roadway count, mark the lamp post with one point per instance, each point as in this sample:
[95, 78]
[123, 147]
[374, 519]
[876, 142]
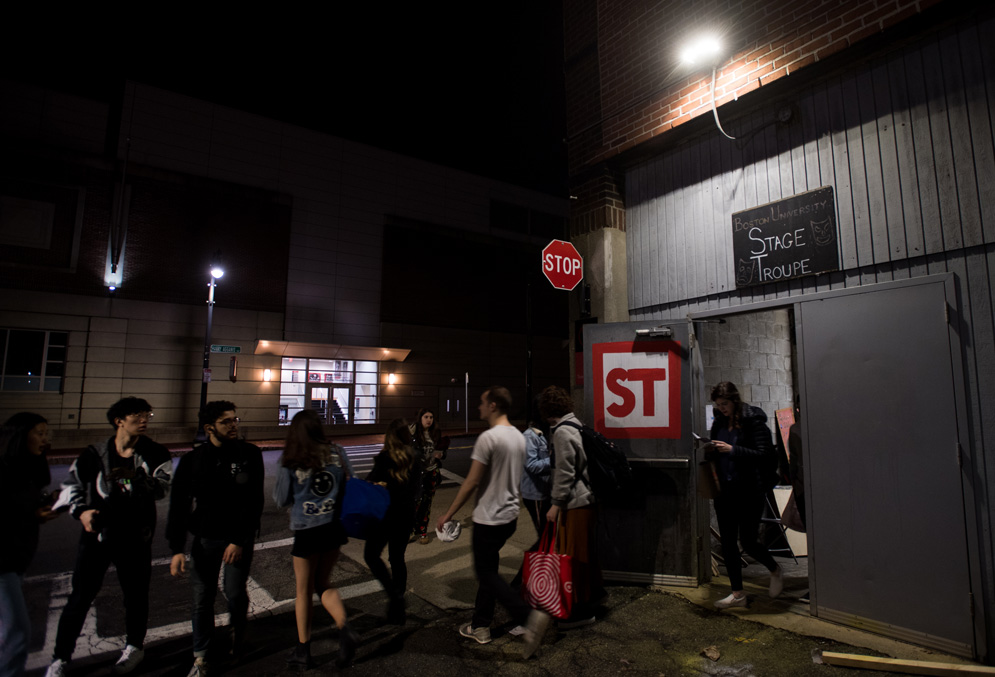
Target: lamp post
[216, 272]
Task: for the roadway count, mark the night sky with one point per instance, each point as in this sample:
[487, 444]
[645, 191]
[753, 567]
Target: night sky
[479, 88]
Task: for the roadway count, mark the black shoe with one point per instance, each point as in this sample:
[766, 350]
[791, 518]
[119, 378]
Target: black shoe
[301, 656]
[396, 614]
[348, 641]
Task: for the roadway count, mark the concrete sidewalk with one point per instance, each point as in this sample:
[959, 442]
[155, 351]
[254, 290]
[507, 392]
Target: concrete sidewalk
[640, 630]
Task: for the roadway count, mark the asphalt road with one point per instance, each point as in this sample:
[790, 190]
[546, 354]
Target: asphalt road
[59, 538]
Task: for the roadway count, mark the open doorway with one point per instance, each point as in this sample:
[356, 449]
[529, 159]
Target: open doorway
[757, 351]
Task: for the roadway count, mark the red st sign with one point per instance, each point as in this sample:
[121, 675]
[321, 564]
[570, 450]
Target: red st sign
[562, 265]
[637, 389]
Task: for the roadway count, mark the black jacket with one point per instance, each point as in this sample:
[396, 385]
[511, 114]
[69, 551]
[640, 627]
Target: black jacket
[90, 486]
[753, 459]
[402, 494]
[226, 484]
[23, 478]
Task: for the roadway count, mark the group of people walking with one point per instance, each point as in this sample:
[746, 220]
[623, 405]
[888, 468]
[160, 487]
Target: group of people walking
[217, 491]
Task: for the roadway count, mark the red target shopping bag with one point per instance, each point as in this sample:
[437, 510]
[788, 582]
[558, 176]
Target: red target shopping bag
[547, 578]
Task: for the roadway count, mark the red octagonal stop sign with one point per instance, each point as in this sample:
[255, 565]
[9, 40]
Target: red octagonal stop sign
[562, 265]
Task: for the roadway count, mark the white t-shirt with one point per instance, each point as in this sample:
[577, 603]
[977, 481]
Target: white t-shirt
[502, 450]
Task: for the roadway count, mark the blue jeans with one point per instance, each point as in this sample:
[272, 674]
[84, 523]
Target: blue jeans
[15, 626]
[206, 565]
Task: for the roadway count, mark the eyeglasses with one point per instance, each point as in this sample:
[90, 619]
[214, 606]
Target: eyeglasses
[142, 416]
[230, 421]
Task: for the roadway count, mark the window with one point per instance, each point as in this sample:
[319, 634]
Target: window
[32, 360]
[341, 391]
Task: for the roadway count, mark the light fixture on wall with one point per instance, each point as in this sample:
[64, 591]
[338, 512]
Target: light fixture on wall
[267, 374]
[391, 379]
[706, 50]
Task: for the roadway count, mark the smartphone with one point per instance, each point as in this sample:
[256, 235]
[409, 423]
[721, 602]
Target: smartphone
[700, 438]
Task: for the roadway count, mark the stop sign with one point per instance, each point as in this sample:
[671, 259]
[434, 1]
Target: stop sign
[562, 265]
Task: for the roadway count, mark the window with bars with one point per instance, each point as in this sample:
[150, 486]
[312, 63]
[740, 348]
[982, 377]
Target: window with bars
[32, 360]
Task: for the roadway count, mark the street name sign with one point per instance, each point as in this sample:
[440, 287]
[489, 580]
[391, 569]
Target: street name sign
[225, 349]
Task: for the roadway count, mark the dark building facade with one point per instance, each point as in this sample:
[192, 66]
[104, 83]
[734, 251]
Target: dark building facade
[880, 114]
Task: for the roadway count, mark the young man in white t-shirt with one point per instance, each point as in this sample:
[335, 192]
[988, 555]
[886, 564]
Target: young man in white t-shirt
[496, 470]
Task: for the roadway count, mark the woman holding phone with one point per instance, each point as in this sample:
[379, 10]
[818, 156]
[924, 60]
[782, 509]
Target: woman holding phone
[745, 463]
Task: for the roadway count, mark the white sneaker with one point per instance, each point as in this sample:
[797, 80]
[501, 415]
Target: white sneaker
[57, 668]
[776, 582]
[731, 601]
[535, 629]
[199, 668]
[129, 660]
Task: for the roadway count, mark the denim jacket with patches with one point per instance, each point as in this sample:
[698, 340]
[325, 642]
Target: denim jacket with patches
[313, 494]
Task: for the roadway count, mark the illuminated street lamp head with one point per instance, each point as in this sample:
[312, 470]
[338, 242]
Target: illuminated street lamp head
[217, 271]
[703, 50]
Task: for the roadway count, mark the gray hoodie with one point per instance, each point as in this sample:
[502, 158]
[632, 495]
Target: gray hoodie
[571, 484]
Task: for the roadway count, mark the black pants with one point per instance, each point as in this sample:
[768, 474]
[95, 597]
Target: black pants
[738, 512]
[207, 555]
[133, 561]
[393, 533]
[487, 543]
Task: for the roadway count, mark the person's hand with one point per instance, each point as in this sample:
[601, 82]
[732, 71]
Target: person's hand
[45, 514]
[438, 456]
[233, 553]
[87, 519]
[553, 514]
[178, 565]
[722, 447]
[442, 521]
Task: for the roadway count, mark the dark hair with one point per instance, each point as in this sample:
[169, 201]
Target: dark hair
[500, 397]
[397, 442]
[554, 402]
[14, 434]
[433, 430]
[126, 407]
[727, 391]
[212, 411]
[307, 446]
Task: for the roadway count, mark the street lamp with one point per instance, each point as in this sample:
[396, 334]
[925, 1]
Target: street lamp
[216, 273]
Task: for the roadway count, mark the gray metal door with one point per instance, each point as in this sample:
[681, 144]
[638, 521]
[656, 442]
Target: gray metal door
[889, 546]
[653, 537]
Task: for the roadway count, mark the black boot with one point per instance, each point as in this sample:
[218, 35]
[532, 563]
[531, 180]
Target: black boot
[301, 656]
[396, 611]
[348, 641]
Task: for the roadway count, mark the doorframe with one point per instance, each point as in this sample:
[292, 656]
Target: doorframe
[968, 487]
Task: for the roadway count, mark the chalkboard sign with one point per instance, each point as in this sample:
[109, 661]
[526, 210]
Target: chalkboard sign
[786, 239]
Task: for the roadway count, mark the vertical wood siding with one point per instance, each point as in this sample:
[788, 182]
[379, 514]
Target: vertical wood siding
[906, 142]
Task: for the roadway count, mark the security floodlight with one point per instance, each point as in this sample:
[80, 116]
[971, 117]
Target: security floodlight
[217, 272]
[704, 50]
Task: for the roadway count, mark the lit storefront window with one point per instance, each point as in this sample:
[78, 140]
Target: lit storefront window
[341, 391]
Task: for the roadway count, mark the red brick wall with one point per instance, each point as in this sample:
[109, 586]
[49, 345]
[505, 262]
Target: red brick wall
[598, 204]
[623, 78]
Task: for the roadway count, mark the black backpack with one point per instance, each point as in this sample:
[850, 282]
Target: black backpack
[607, 466]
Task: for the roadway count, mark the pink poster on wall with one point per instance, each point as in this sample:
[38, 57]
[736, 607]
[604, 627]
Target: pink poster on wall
[785, 419]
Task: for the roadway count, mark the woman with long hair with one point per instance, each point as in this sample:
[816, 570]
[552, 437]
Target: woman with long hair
[311, 480]
[430, 446]
[25, 504]
[747, 469]
[398, 468]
